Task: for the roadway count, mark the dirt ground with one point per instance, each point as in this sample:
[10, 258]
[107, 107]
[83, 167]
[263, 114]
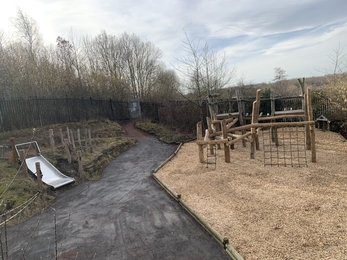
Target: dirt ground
[270, 212]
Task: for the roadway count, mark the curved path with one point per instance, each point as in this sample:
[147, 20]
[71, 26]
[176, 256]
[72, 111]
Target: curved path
[124, 215]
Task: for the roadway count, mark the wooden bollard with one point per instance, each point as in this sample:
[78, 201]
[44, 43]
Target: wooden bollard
[14, 154]
[51, 140]
[80, 164]
[39, 175]
[67, 150]
[24, 165]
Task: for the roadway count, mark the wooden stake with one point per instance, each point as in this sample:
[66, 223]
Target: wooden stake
[68, 135]
[24, 165]
[51, 140]
[86, 139]
[80, 164]
[72, 140]
[39, 175]
[67, 150]
[90, 140]
[79, 139]
[14, 154]
[61, 136]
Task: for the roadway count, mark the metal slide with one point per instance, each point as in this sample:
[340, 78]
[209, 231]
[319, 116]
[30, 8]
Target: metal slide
[50, 175]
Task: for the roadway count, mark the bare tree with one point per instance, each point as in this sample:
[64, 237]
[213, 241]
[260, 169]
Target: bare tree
[204, 71]
[280, 82]
[141, 65]
[28, 32]
[337, 78]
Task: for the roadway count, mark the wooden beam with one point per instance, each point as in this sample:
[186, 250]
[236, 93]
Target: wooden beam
[268, 118]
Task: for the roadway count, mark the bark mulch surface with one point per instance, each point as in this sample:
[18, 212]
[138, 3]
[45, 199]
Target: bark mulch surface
[270, 212]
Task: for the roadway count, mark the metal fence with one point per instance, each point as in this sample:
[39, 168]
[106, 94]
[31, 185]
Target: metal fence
[34, 112]
[181, 115]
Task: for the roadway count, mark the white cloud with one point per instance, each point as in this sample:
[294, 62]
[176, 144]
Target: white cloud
[257, 35]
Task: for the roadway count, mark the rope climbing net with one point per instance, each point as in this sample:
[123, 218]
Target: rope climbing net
[284, 146]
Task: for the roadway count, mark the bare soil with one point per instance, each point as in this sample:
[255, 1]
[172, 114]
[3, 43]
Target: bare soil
[270, 212]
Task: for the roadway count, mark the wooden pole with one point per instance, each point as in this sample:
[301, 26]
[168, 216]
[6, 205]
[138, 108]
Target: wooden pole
[24, 165]
[208, 120]
[257, 109]
[201, 153]
[264, 125]
[199, 131]
[307, 128]
[14, 154]
[39, 175]
[241, 113]
[226, 147]
[68, 135]
[51, 140]
[90, 140]
[312, 127]
[273, 108]
[61, 136]
[86, 139]
[252, 147]
[199, 138]
[67, 150]
[72, 140]
[79, 139]
[80, 164]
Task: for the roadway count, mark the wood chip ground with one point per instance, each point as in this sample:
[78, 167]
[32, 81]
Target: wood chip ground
[270, 212]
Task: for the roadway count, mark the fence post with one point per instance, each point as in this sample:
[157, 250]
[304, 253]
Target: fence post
[14, 154]
[68, 135]
[39, 175]
[67, 150]
[61, 136]
[80, 165]
[90, 140]
[51, 140]
[79, 139]
[72, 140]
[24, 165]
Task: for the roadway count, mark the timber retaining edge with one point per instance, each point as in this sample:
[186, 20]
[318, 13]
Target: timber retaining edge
[231, 251]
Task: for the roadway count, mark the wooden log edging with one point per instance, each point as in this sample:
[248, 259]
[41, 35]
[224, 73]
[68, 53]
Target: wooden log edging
[230, 250]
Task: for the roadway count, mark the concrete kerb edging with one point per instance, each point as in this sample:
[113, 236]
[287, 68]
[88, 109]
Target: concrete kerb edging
[218, 237]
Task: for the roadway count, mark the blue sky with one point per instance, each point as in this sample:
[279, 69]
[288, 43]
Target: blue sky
[257, 36]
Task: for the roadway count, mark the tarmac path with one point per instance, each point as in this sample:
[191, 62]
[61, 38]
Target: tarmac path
[124, 215]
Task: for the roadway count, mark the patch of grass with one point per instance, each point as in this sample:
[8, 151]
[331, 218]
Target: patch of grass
[108, 141]
[164, 133]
